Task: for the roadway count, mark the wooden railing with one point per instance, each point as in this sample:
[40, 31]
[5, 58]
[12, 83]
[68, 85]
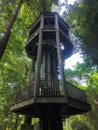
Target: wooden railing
[24, 93]
[75, 92]
[49, 89]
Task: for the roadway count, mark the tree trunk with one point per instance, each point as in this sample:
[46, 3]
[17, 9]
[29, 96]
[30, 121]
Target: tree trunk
[5, 38]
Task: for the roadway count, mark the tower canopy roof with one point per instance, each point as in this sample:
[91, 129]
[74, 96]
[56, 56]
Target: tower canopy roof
[49, 23]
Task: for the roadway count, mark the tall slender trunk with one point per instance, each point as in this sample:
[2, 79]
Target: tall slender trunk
[5, 38]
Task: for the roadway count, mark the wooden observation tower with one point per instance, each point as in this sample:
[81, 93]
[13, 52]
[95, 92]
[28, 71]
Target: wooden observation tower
[49, 97]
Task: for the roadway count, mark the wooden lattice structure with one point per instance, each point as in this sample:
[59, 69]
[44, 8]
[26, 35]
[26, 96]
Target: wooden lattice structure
[47, 96]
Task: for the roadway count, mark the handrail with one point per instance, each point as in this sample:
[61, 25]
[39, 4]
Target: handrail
[24, 93]
[49, 89]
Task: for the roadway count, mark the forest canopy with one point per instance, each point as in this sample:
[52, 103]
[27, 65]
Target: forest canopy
[83, 17]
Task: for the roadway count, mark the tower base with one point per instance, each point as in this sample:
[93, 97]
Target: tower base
[52, 123]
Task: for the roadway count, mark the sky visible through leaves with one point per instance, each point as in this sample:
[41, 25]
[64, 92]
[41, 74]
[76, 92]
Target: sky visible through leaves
[71, 62]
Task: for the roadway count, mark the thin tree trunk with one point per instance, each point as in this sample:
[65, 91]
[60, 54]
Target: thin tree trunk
[5, 38]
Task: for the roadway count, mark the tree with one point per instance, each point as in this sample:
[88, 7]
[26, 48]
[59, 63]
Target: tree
[83, 17]
[5, 38]
[45, 6]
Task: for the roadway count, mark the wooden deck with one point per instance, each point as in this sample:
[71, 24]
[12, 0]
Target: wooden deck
[75, 103]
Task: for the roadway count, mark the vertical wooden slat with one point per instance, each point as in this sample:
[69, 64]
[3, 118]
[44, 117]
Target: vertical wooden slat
[63, 88]
[39, 56]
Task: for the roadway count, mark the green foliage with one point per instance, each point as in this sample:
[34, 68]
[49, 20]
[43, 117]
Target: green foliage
[79, 125]
[80, 75]
[83, 17]
[6, 11]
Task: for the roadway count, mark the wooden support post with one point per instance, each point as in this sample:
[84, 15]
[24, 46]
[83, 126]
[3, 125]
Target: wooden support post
[27, 123]
[27, 120]
[63, 88]
[33, 70]
[53, 123]
[39, 56]
[38, 64]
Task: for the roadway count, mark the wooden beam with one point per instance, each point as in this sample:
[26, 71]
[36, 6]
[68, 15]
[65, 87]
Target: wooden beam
[39, 57]
[38, 64]
[63, 88]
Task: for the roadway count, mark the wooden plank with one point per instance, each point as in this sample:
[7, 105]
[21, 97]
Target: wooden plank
[60, 99]
[38, 64]
[63, 88]
[22, 104]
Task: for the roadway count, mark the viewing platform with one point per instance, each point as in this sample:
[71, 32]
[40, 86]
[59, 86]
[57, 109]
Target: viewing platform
[48, 98]
[76, 102]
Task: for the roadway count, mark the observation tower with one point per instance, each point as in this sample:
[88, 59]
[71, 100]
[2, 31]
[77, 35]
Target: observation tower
[49, 96]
